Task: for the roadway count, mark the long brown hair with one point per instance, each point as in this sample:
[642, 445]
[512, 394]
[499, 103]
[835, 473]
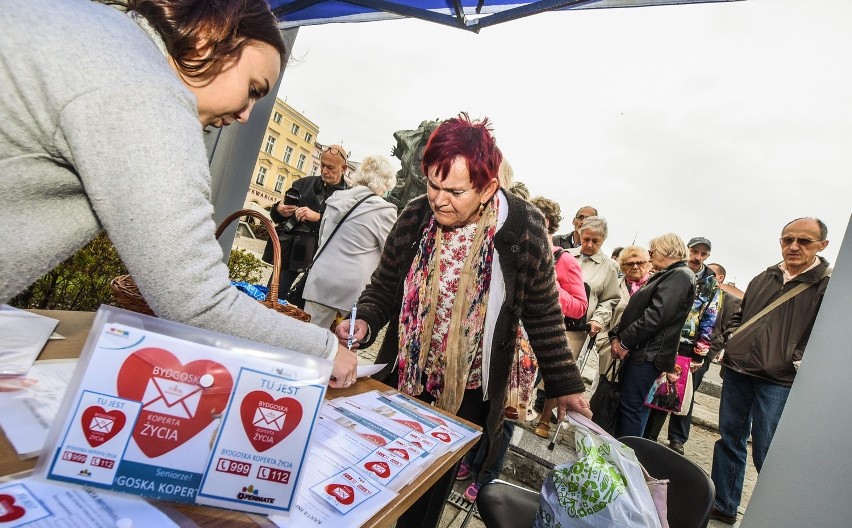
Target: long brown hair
[218, 29]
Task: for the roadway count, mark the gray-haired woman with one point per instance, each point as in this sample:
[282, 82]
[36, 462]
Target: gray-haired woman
[343, 268]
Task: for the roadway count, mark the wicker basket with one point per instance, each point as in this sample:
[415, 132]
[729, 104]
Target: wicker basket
[127, 294]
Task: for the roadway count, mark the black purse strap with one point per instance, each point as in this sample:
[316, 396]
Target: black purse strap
[327, 240]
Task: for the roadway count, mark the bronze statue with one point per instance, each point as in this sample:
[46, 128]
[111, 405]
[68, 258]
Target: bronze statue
[410, 180]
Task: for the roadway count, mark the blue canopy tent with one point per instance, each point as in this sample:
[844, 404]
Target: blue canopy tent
[471, 15]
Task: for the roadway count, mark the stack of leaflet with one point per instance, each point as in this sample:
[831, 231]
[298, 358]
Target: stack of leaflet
[367, 448]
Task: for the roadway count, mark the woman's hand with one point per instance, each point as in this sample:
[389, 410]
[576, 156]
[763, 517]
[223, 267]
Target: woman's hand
[617, 350]
[360, 333]
[344, 372]
[573, 402]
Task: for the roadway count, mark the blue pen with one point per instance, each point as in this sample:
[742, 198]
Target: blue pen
[351, 338]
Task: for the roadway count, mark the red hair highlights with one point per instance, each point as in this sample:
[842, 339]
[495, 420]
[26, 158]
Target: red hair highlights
[472, 140]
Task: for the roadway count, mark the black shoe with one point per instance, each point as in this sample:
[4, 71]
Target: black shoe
[717, 515]
[676, 446]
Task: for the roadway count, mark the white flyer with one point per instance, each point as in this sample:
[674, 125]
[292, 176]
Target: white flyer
[22, 336]
[36, 504]
[30, 403]
[346, 490]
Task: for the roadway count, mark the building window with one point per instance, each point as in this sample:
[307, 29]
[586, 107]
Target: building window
[279, 183]
[295, 129]
[261, 175]
[288, 153]
[308, 137]
[301, 163]
[270, 144]
[277, 117]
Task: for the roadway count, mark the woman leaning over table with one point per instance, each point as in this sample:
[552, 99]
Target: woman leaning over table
[460, 268]
[648, 334]
[102, 130]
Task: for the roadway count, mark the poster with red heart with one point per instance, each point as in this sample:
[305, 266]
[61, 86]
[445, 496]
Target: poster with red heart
[153, 400]
[346, 490]
[95, 442]
[258, 457]
[383, 466]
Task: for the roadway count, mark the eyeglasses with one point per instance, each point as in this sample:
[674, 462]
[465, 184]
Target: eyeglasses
[335, 150]
[580, 217]
[651, 252]
[802, 242]
[635, 264]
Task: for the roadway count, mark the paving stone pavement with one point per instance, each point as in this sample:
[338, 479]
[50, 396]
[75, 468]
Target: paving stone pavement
[699, 448]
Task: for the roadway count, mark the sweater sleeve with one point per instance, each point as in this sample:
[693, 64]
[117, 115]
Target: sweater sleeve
[144, 168]
[572, 293]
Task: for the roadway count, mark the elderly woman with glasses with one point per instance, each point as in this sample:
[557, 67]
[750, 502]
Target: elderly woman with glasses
[647, 336]
[635, 264]
[462, 267]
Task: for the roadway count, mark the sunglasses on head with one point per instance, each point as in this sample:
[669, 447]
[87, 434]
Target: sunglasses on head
[335, 150]
[803, 242]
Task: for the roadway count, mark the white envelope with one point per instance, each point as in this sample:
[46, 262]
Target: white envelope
[171, 397]
[101, 425]
[269, 418]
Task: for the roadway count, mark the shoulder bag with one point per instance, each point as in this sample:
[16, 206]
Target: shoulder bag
[297, 290]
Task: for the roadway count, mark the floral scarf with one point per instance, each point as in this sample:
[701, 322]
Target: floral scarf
[446, 359]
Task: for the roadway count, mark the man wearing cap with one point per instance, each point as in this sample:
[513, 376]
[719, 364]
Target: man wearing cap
[572, 239]
[695, 340]
[298, 228]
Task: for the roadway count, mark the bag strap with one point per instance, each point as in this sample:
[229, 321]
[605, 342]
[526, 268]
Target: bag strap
[327, 240]
[802, 286]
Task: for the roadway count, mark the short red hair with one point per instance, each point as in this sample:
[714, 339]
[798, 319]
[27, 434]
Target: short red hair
[473, 141]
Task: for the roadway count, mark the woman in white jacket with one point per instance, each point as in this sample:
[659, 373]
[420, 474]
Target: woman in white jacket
[343, 267]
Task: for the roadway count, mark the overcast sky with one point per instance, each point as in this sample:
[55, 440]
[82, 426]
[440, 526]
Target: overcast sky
[719, 120]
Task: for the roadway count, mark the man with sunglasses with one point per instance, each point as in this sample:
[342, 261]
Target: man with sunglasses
[299, 223]
[695, 340]
[760, 361]
[572, 239]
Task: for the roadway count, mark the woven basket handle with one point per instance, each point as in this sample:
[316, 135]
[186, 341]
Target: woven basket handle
[276, 245]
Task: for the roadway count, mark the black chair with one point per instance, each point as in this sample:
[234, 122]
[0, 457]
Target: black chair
[505, 505]
[690, 491]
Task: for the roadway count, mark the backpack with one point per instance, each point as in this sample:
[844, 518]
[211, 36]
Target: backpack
[579, 324]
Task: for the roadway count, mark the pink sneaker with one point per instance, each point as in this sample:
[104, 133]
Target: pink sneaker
[464, 472]
[472, 491]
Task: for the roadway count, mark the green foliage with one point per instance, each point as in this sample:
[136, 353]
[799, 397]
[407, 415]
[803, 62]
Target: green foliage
[245, 267]
[82, 281]
[79, 283]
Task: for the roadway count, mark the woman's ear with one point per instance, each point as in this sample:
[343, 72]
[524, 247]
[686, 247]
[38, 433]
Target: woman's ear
[489, 190]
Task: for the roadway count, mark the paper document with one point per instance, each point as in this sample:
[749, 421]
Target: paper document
[369, 370]
[30, 403]
[22, 336]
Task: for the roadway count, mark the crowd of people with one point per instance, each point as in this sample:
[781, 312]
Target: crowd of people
[456, 279]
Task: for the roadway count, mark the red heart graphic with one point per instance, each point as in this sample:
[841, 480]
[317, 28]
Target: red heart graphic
[175, 406]
[100, 426]
[342, 493]
[379, 468]
[268, 421]
[411, 424]
[9, 511]
[401, 452]
[443, 437]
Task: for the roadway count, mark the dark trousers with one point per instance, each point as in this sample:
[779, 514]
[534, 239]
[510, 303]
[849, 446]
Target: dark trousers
[636, 381]
[426, 511]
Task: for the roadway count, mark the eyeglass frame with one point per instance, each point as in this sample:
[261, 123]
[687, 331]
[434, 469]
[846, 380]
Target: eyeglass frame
[335, 150]
[800, 241]
[635, 264]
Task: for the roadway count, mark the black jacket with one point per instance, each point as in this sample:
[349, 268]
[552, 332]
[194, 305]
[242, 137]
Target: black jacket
[654, 317]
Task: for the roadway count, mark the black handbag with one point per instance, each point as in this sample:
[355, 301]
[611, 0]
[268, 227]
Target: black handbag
[605, 400]
[580, 324]
[296, 293]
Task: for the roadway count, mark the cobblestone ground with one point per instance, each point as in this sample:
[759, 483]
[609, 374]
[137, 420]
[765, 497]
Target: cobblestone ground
[699, 448]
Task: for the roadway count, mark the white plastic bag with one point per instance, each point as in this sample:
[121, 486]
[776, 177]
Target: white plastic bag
[604, 488]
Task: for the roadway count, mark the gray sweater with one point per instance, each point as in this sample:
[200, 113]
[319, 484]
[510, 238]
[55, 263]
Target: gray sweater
[98, 133]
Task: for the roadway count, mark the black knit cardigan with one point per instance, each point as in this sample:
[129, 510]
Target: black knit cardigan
[526, 262]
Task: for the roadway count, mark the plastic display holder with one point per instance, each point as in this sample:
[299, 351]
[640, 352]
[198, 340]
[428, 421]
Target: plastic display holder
[176, 413]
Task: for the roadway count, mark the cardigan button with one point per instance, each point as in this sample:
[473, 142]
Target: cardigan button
[515, 248]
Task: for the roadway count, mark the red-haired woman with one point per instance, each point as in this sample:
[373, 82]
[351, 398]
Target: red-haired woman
[461, 266]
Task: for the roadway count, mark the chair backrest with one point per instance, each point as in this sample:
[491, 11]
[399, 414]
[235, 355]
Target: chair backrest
[690, 491]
